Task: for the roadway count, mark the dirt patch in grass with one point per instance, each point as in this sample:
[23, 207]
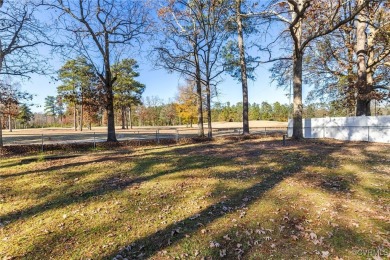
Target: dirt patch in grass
[229, 198]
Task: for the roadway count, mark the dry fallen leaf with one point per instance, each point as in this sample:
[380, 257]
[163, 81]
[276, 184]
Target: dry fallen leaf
[325, 254]
[260, 231]
[299, 227]
[214, 244]
[222, 252]
[226, 237]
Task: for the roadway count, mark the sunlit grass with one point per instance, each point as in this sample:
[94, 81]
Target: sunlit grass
[252, 199]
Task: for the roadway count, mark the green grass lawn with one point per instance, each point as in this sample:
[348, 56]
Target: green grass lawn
[233, 199]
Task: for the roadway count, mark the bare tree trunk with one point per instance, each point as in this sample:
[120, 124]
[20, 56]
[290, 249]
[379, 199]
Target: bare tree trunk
[199, 97]
[81, 115]
[208, 101]
[296, 33]
[75, 117]
[111, 136]
[130, 118]
[371, 68]
[10, 122]
[244, 78]
[363, 101]
[200, 109]
[127, 117]
[123, 115]
[351, 91]
[297, 90]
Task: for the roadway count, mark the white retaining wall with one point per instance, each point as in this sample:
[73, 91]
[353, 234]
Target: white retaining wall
[363, 128]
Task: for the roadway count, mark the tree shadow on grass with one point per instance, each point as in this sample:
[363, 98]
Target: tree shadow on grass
[115, 182]
[148, 246]
[196, 160]
[112, 157]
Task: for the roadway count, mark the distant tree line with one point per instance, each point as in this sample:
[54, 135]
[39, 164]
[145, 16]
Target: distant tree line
[153, 111]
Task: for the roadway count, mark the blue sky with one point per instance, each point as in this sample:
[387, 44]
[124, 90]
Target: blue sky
[164, 85]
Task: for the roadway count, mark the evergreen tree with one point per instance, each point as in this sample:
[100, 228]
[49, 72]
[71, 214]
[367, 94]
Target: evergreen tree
[25, 114]
[127, 91]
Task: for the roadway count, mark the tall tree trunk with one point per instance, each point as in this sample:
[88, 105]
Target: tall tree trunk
[363, 101]
[296, 33]
[244, 77]
[123, 115]
[130, 118]
[199, 95]
[208, 101]
[200, 109]
[297, 91]
[350, 91]
[370, 67]
[75, 117]
[111, 136]
[81, 115]
[102, 119]
[127, 117]
[108, 82]
[10, 122]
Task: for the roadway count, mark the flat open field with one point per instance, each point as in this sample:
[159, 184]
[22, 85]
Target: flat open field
[68, 135]
[230, 198]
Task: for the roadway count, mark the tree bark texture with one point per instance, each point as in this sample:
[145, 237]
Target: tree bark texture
[208, 100]
[296, 33]
[363, 101]
[130, 118]
[75, 117]
[111, 136]
[297, 92]
[244, 78]
[199, 96]
[123, 115]
[10, 123]
[81, 115]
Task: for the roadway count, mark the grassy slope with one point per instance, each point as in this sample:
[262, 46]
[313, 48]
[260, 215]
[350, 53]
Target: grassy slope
[253, 199]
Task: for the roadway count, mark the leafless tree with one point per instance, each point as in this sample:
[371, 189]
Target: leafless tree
[372, 48]
[178, 47]
[243, 68]
[193, 35]
[331, 64]
[102, 31]
[20, 35]
[306, 20]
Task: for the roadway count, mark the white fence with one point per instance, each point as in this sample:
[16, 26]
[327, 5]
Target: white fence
[363, 128]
